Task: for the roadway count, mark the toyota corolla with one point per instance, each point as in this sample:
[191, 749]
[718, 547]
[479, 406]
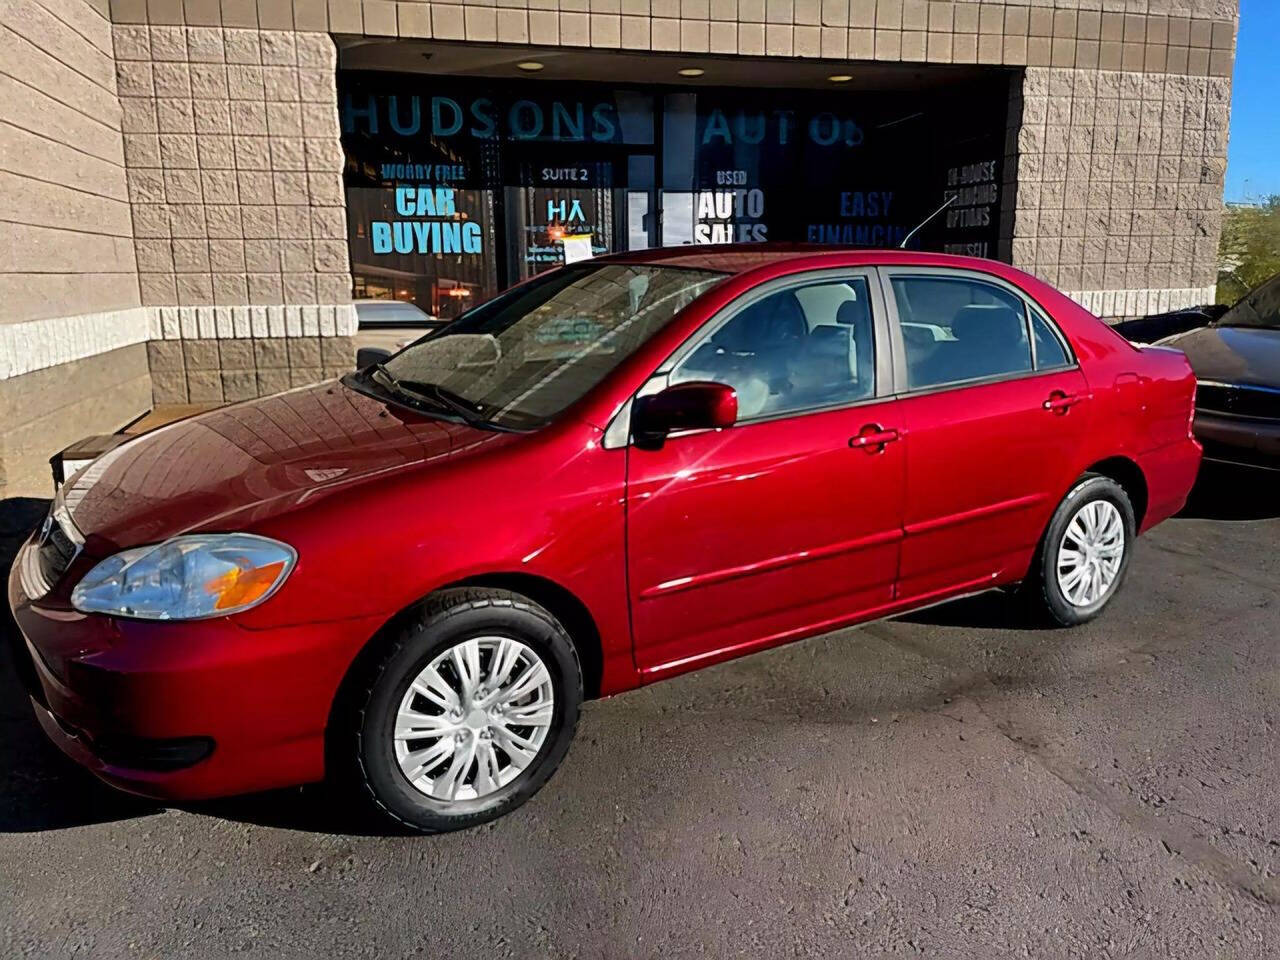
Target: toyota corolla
[408, 580]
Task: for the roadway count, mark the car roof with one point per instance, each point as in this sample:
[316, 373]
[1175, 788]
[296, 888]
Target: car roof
[739, 258]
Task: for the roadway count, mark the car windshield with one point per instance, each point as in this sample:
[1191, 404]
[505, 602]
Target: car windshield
[523, 357]
[1260, 307]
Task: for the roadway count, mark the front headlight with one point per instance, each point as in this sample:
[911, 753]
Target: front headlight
[186, 578]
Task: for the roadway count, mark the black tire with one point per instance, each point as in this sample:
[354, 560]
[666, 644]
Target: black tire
[364, 749]
[1043, 590]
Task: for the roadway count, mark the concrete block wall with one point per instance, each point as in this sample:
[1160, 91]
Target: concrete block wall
[1135, 35]
[70, 311]
[68, 240]
[1120, 181]
[236, 196]
[265, 350]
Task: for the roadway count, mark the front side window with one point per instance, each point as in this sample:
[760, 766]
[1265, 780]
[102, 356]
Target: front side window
[799, 348]
[956, 329]
[523, 357]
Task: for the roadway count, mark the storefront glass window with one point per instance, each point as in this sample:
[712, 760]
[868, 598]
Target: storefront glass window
[459, 187]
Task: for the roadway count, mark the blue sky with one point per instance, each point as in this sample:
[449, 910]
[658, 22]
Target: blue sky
[1253, 157]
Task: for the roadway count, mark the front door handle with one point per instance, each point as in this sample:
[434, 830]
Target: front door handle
[1060, 402]
[872, 438]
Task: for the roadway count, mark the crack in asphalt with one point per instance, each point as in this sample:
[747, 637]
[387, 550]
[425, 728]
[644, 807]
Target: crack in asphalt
[976, 686]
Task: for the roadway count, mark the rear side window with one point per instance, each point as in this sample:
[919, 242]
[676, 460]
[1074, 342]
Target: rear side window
[956, 329]
[1050, 353]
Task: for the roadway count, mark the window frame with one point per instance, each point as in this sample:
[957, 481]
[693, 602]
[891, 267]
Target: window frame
[618, 433]
[1054, 331]
[900, 374]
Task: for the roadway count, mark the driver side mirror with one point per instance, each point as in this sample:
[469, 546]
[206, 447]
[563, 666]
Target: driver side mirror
[697, 405]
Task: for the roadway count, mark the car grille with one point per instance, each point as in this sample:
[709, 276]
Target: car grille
[1241, 400]
[46, 559]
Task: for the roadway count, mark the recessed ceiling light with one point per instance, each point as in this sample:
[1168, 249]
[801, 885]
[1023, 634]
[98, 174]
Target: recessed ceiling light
[691, 71]
[840, 78]
[530, 66]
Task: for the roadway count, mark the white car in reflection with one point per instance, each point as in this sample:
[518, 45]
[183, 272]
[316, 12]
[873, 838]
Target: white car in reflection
[390, 324]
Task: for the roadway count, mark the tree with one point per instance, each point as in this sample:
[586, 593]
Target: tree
[1249, 252]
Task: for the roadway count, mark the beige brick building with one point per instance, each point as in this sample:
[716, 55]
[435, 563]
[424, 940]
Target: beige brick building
[183, 224]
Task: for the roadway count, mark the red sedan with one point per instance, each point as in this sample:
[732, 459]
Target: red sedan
[410, 579]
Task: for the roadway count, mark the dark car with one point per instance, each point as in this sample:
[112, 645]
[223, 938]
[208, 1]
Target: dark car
[1236, 356]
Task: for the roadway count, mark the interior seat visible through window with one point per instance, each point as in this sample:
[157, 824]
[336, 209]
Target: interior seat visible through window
[956, 329]
[806, 347]
[856, 315]
[992, 340]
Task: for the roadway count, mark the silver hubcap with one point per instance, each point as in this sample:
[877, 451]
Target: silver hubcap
[474, 719]
[1090, 553]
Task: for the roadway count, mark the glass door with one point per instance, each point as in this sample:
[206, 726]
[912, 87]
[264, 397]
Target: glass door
[559, 212]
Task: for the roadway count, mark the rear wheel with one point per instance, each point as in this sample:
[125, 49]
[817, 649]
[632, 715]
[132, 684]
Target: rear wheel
[468, 713]
[1085, 552]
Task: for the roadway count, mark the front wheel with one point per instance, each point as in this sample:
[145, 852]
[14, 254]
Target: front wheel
[1085, 552]
[469, 711]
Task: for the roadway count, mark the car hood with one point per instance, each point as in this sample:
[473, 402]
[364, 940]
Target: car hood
[241, 464]
[1232, 354]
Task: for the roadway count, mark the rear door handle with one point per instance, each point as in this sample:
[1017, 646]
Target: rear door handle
[1060, 402]
[872, 438]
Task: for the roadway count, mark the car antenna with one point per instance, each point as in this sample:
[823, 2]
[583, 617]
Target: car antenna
[923, 223]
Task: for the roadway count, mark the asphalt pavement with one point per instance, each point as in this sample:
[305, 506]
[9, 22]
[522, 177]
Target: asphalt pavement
[948, 784]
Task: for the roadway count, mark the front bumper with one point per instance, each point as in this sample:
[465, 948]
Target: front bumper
[183, 711]
[1242, 441]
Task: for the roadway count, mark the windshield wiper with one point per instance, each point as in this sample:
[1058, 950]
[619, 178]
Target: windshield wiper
[434, 395]
[454, 401]
[389, 380]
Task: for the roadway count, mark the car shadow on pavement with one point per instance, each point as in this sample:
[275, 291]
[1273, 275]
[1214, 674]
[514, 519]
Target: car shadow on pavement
[40, 789]
[314, 808]
[993, 610]
[18, 517]
[1224, 492]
